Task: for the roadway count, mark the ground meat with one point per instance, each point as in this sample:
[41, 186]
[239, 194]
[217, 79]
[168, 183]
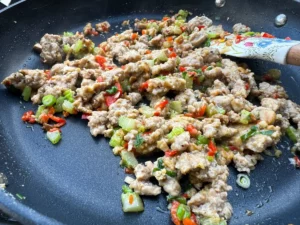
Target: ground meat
[143, 188]
[102, 27]
[181, 142]
[157, 41]
[122, 107]
[271, 91]
[87, 62]
[219, 88]
[245, 163]
[158, 86]
[198, 21]
[134, 97]
[168, 66]
[143, 173]
[197, 38]
[56, 86]
[190, 161]
[87, 29]
[97, 122]
[32, 78]
[188, 97]
[51, 49]
[192, 60]
[240, 28]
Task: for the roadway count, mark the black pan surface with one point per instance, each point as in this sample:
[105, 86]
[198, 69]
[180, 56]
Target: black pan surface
[79, 180]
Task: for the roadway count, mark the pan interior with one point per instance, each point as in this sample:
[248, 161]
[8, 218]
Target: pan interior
[79, 180]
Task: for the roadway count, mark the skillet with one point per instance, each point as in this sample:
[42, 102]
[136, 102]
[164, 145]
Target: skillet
[79, 180]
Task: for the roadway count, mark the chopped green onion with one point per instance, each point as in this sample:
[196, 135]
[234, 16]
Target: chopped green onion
[245, 117]
[58, 105]
[26, 93]
[132, 202]
[179, 199]
[68, 107]
[220, 110]
[202, 140]
[21, 197]
[250, 33]
[139, 140]
[175, 132]
[141, 129]
[183, 211]
[126, 123]
[125, 85]
[160, 163]
[254, 131]
[292, 133]
[219, 64]
[49, 100]
[210, 158]
[69, 95]
[68, 34]
[54, 136]
[211, 35]
[112, 90]
[162, 77]
[176, 106]
[128, 160]
[117, 138]
[126, 189]
[171, 173]
[243, 181]
[207, 43]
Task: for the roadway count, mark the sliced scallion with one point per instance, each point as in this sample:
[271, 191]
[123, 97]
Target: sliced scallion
[243, 181]
[49, 100]
[26, 93]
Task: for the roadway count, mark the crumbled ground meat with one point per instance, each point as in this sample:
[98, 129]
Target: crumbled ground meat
[175, 97]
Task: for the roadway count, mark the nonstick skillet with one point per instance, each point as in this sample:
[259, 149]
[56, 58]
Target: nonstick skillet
[79, 180]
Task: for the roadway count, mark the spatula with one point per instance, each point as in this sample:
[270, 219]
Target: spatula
[259, 46]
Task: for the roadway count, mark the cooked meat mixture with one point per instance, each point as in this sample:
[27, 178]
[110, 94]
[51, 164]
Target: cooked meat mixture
[208, 122]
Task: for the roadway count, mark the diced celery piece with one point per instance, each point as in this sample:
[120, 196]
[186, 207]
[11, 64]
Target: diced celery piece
[162, 57]
[68, 34]
[135, 206]
[117, 138]
[77, 46]
[26, 93]
[126, 123]
[69, 95]
[67, 49]
[176, 106]
[245, 117]
[54, 136]
[147, 111]
[58, 105]
[49, 100]
[175, 132]
[39, 111]
[128, 160]
[211, 110]
[188, 80]
[150, 62]
[212, 221]
[292, 133]
[68, 107]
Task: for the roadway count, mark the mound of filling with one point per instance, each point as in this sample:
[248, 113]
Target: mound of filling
[161, 88]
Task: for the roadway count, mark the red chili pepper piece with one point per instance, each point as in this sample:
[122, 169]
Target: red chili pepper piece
[171, 153]
[28, 117]
[192, 130]
[173, 212]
